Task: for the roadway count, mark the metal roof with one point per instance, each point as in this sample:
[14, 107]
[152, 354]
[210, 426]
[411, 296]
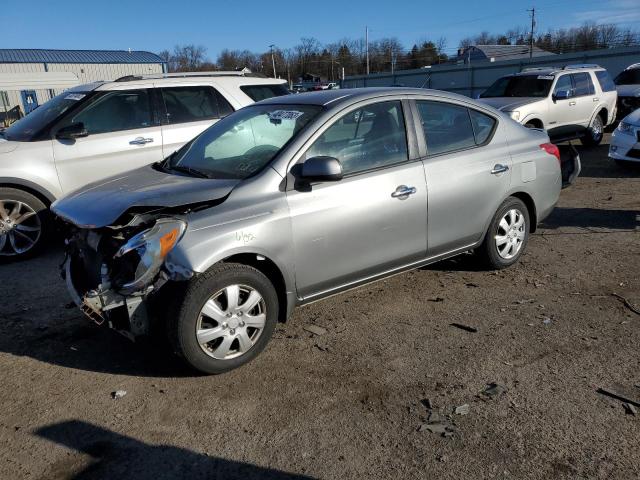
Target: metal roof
[77, 56]
[503, 52]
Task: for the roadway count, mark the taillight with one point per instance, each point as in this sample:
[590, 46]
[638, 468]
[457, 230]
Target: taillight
[551, 149]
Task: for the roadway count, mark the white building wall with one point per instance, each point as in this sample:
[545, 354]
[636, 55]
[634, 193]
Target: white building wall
[86, 73]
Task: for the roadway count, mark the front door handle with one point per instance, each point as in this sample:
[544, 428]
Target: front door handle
[140, 141]
[499, 168]
[403, 192]
[571, 104]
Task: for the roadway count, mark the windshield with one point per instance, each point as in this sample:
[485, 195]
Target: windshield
[520, 86]
[26, 128]
[243, 143]
[628, 77]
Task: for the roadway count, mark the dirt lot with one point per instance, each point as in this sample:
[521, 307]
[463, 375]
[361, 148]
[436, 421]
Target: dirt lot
[347, 404]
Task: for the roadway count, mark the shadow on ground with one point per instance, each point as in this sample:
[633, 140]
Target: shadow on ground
[592, 218]
[113, 455]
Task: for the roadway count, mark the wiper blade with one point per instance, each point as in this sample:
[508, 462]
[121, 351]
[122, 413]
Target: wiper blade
[193, 171]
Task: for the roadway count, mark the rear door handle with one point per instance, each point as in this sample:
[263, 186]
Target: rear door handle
[596, 99]
[140, 141]
[571, 104]
[403, 192]
[499, 168]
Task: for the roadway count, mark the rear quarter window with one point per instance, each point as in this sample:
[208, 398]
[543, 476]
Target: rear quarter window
[262, 92]
[605, 81]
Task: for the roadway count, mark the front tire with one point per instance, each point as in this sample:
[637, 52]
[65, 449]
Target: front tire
[25, 224]
[594, 133]
[225, 319]
[507, 236]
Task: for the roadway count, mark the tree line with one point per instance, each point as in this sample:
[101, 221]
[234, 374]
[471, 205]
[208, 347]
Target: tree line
[349, 56]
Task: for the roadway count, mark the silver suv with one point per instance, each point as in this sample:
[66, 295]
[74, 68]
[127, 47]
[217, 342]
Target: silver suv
[576, 101]
[102, 129]
[296, 198]
[628, 86]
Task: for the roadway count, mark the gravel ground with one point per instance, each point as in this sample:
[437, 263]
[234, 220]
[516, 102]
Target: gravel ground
[352, 403]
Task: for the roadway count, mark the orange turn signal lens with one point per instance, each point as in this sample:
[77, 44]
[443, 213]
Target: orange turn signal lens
[168, 241]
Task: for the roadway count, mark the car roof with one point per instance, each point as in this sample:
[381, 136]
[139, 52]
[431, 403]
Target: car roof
[555, 70]
[352, 95]
[223, 80]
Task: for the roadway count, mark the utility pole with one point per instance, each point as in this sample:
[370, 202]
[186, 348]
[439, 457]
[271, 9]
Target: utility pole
[366, 41]
[273, 60]
[533, 24]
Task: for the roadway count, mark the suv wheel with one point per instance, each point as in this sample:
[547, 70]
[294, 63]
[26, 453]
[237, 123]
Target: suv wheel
[594, 133]
[225, 319]
[507, 236]
[24, 224]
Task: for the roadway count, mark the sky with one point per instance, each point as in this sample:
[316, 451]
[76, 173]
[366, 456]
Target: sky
[254, 25]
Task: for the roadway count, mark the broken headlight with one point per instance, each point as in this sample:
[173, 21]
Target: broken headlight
[149, 248]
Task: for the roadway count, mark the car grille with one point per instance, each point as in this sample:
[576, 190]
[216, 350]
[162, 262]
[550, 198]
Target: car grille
[634, 153]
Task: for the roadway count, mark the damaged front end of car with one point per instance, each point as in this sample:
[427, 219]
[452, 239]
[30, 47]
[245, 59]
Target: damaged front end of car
[114, 273]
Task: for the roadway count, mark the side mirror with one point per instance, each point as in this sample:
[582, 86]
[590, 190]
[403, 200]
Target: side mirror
[561, 94]
[71, 132]
[321, 169]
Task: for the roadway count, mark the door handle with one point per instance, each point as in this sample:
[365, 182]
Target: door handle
[499, 168]
[140, 141]
[596, 99]
[403, 192]
[571, 104]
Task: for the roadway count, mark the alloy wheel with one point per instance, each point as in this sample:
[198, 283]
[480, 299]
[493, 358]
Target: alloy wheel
[511, 234]
[20, 228]
[231, 322]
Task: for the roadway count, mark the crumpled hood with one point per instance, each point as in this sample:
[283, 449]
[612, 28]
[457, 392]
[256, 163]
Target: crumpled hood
[509, 104]
[6, 146]
[628, 90]
[102, 203]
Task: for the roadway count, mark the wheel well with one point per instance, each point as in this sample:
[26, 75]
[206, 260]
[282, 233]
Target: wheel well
[531, 208]
[537, 123]
[604, 115]
[271, 271]
[36, 193]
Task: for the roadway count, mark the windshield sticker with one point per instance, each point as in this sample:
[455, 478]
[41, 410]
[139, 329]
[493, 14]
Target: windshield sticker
[545, 77]
[285, 115]
[75, 96]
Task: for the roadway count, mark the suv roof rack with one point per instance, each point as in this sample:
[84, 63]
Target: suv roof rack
[240, 73]
[578, 66]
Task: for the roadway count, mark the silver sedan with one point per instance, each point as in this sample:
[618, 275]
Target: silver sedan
[297, 198]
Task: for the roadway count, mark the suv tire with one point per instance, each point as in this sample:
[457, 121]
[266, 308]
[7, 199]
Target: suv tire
[25, 224]
[230, 308]
[594, 133]
[507, 236]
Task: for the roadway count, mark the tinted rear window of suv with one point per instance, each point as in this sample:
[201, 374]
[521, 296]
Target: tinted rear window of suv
[606, 84]
[262, 92]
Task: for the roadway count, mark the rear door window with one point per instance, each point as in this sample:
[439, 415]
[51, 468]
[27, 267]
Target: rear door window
[116, 111]
[262, 92]
[447, 127]
[194, 103]
[583, 84]
[605, 81]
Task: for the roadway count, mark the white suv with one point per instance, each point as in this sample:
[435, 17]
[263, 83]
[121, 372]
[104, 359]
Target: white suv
[576, 101]
[103, 129]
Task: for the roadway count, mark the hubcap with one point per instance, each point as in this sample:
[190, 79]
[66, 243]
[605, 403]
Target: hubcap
[20, 228]
[511, 234]
[231, 322]
[596, 129]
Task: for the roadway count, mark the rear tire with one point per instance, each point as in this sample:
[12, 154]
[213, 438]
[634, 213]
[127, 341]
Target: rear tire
[507, 236]
[216, 327]
[594, 134]
[25, 224]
